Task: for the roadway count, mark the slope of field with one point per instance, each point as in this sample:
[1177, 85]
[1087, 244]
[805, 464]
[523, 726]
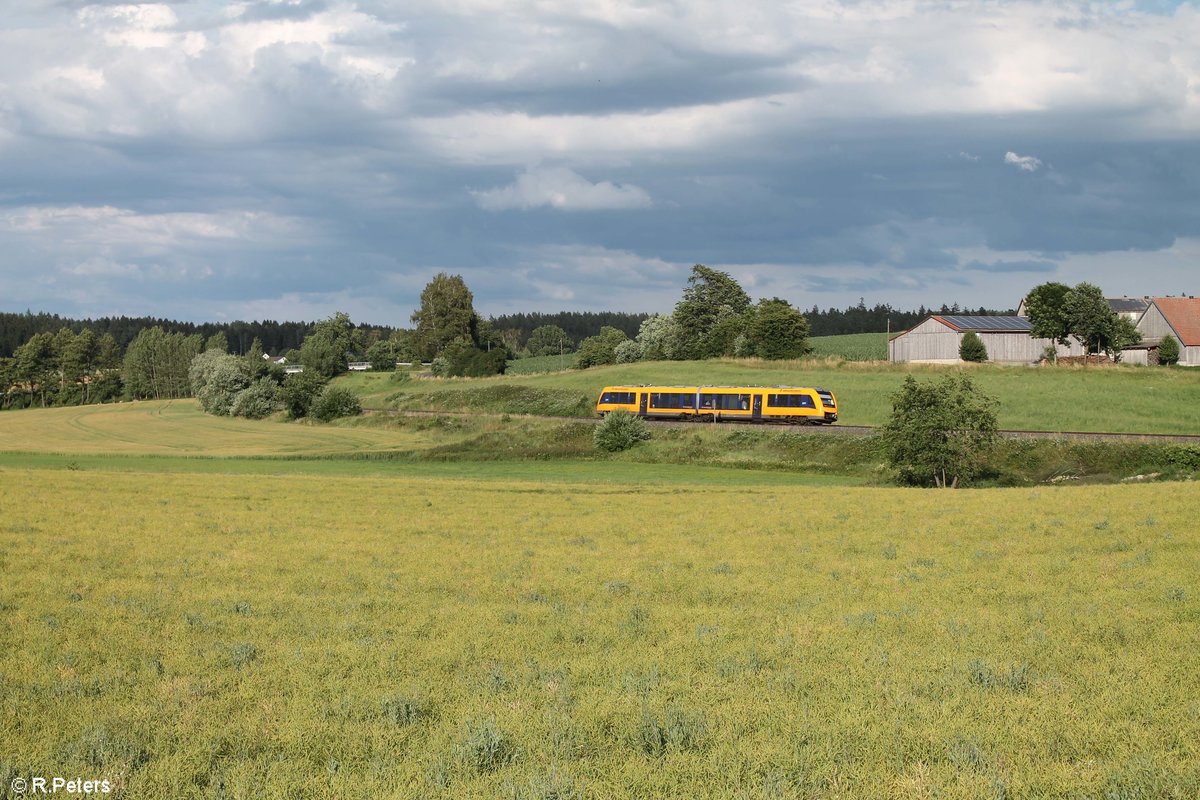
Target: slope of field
[179, 427]
[1117, 399]
[200, 636]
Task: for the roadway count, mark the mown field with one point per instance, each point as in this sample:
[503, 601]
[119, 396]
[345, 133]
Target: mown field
[1118, 399]
[321, 636]
[181, 428]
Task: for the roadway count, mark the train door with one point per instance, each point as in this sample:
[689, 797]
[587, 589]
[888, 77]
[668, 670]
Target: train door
[756, 414]
[643, 398]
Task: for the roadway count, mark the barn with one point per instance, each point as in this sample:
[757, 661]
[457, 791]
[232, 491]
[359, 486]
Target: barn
[1179, 317]
[1007, 339]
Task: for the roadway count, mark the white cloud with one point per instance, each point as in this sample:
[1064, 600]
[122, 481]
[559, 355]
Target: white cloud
[102, 226]
[563, 189]
[1023, 163]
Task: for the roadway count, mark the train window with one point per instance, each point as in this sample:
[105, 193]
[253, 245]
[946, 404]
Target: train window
[790, 401]
[672, 399]
[725, 402]
[619, 398]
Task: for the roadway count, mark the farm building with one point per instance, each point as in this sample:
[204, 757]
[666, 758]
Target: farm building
[1007, 339]
[1129, 307]
[1179, 317]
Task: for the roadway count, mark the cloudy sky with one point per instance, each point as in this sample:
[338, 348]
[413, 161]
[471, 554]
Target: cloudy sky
[285, 159]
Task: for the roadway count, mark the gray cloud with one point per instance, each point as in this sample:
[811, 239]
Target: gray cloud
[210, 160]
[1030, 265]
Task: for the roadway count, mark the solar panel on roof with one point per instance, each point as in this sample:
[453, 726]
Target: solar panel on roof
[978, 323]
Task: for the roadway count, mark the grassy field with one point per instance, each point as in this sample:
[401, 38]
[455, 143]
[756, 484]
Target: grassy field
[199, 636]
[537, 364]
[851, 346]
[1118, 399]
[179, 427]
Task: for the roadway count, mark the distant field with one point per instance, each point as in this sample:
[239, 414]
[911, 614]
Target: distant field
[207, 636]
[851, 346]
[536, 364]
[1120, 399]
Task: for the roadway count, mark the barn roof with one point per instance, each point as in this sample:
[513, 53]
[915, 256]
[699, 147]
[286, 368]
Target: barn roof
[980, 324]
[1184, 315]
[1128, 305]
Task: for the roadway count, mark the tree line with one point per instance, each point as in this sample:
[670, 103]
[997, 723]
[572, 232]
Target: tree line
[275, 337]
[882, 317]
[514, 329]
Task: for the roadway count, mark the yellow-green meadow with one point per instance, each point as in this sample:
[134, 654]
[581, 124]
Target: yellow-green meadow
[217, 635]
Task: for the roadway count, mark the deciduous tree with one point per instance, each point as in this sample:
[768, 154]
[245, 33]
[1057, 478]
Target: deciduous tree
[657, 337]
[327, 350]
[707, 315]
[548, 340]
[776, 330]
[939, 431]
[1045, 306]
[447, 313]
[600, 349]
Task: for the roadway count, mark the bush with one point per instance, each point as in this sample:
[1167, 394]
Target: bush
[939, 430]
[216, 380]
[972, 348]
[299, 391]
[628, 352]
[334, 402]
[1168, 350]
[620, 430]
[600, 349]
[256, 401]
[462, 359]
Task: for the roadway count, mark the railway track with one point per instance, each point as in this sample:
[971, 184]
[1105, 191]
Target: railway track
[828, 430]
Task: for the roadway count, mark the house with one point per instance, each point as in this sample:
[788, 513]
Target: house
[1007, 339]
[1131, 308]
[1179, 317]
[359, 366]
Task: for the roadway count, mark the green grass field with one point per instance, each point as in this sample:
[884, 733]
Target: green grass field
[538, 364]
[198, 636]
[851, 346]
[1118, 399]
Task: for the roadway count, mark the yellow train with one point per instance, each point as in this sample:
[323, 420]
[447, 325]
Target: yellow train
[714, 403]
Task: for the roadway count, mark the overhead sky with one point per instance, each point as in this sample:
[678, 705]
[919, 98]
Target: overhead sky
[208, 160]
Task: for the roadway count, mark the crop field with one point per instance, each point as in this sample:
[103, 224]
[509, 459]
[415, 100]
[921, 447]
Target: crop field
[536, 364]
[1118, 399]
[851, 346]
[205, 636]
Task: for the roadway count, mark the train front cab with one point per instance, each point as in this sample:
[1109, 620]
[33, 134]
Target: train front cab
[804, 406]
[621, 398]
